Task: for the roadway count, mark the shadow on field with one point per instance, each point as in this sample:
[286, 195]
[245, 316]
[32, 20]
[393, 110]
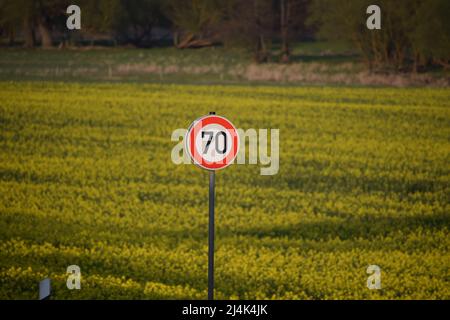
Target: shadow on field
[350, 228]
[351, 183]
[58, 230]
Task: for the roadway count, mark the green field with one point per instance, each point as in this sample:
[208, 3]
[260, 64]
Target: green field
[311, 63]
[86, 178]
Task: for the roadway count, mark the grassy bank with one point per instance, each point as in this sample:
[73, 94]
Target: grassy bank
[311, 64]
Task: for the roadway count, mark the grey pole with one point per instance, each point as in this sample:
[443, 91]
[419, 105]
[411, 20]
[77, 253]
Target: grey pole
[212, 183]
[212, 179]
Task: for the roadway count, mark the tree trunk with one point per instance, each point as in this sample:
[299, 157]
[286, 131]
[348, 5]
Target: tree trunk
[285, 52]
[416, 61]
[176, 39]
[11, 36]
[46, 36]
[263, 49]
[28, 32]
[261, 54]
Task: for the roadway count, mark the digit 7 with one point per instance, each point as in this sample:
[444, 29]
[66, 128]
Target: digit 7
[208, 143]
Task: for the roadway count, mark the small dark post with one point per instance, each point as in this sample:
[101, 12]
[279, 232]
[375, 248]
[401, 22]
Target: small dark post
[212, 182]
[45, 289]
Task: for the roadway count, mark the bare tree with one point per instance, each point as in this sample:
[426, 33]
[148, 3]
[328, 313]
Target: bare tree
[249, 23]
[28, 32]
[284, 27]
[195, 21]
[292, 17]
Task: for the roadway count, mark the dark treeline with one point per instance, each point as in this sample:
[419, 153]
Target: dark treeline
[414, 36]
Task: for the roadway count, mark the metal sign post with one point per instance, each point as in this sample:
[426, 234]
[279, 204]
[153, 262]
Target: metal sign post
[212, 182]
[211, 229]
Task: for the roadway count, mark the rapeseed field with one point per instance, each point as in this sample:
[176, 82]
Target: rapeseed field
[86, 179]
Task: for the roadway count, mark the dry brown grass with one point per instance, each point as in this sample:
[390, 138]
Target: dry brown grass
[300, 73]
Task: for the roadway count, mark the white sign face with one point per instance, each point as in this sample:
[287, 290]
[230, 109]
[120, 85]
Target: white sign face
[212, 142]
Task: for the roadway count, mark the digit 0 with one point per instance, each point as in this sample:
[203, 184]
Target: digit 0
[221, 133]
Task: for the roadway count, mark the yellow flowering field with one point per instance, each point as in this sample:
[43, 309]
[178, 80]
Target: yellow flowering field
[86, 179]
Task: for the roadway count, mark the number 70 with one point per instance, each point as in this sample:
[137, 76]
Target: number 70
[210, 135]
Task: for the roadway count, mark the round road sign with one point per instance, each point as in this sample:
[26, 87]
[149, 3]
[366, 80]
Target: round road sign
[212, 142]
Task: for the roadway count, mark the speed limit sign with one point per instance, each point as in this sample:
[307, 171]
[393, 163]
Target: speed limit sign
[212, 142]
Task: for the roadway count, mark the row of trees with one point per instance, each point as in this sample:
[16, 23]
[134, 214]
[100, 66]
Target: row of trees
[120, 20]
[414, 34]
[254, 24]
[193, 23]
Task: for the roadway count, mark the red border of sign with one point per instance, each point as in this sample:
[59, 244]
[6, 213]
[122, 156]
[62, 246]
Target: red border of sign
[196, 126]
